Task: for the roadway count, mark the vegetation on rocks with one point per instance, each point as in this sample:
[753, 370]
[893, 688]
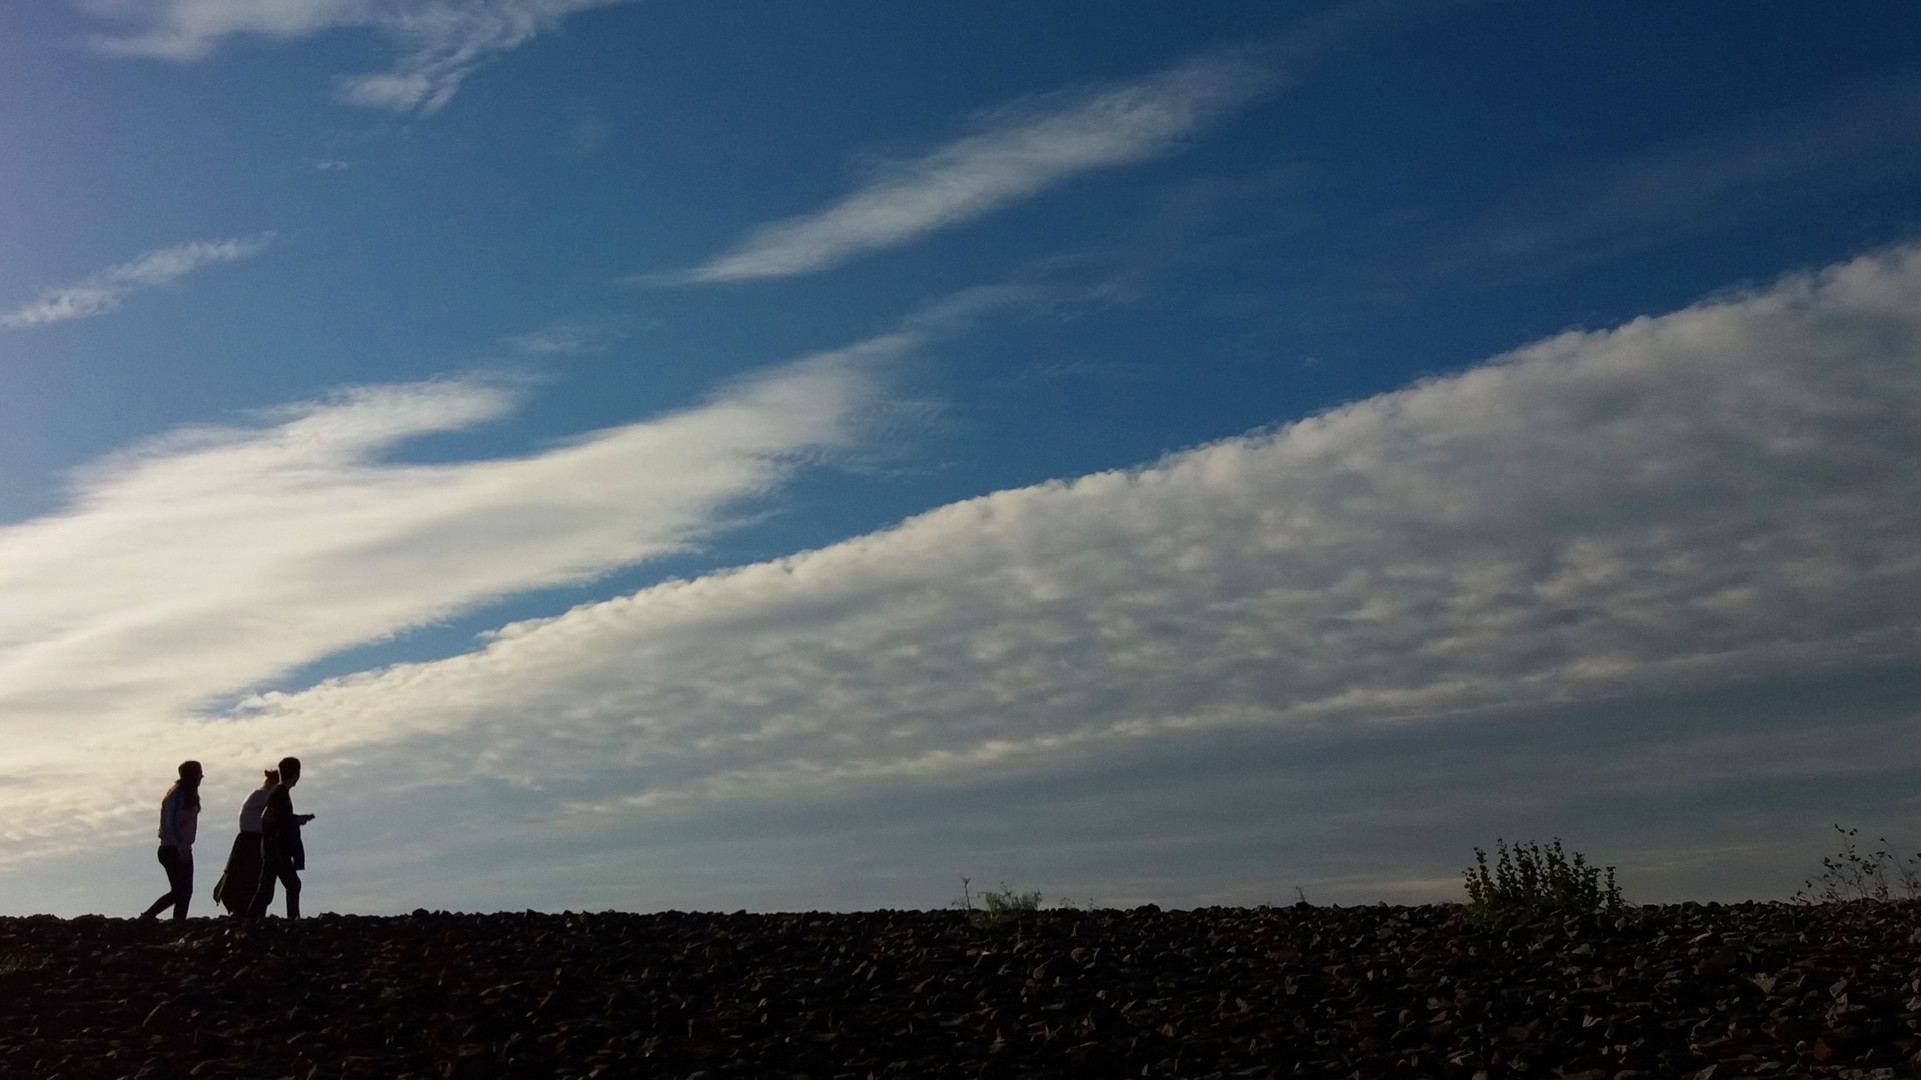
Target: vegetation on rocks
[1529, 877]
[1554, 978]
[995, 908]
[1671, 991]
[1852, 875]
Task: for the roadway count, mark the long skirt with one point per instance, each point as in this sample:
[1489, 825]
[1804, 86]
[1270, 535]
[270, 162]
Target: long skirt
[235, 889]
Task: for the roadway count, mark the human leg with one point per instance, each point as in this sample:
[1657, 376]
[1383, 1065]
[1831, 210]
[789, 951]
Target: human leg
[179, 870]
[166, 898]
[290, 880]
[180, 875]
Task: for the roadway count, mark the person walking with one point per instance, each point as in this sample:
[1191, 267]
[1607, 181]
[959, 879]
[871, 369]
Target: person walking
[234, 890]
[282, 854]
[179, 816]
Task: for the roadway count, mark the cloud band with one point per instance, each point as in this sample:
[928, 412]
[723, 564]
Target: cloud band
[101, 292]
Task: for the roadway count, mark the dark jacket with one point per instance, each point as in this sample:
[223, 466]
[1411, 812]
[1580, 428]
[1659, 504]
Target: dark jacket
[280, 827]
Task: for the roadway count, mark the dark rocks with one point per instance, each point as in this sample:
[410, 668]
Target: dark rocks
[1692, 990]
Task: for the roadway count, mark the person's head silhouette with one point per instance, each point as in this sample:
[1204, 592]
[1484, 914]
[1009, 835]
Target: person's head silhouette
[289, 771]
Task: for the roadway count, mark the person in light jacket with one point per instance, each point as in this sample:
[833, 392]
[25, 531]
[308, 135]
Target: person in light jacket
[234, 890]
[179, 817]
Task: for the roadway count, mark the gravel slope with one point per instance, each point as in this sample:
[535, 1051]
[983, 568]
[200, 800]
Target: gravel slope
[1746, 990]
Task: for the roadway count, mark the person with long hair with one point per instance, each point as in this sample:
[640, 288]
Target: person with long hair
[234, 890]
[179, 816]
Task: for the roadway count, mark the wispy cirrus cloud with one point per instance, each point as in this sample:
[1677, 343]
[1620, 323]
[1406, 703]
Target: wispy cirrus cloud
[1682, 505]
[563, 339]
[204, 562]
[1725, 489]
[209, 561]
[101, 292]
[1625, 532]
[440, 42]
[1015, 153]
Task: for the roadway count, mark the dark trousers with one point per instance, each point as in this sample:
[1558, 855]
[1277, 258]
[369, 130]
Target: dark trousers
[276, 861]
[179, 880]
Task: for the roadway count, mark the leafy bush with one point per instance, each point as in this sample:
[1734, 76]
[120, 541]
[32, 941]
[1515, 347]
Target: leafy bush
[1529, 877]
[1851, 875]
[995, 908]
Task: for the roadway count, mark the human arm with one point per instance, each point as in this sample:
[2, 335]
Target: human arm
[170, 819]
[282, 804]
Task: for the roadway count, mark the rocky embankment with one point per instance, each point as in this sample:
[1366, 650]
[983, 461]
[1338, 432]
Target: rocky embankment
[1720, 992]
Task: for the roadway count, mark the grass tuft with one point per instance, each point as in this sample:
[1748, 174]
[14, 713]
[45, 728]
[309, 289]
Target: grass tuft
[1531, 878]
[1851, 876]
[995, 908]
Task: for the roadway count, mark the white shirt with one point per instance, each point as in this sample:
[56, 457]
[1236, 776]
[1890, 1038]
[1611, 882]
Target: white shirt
[250, 810]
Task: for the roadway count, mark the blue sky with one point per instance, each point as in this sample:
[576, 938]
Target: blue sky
[778, 456]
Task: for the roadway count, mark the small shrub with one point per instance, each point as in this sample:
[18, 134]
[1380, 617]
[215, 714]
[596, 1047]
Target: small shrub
[995, 908]
[1851, 875]
[1529, 877]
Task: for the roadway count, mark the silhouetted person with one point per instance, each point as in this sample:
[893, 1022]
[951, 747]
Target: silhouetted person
[281, 853]
[179, 816]
[234, 890]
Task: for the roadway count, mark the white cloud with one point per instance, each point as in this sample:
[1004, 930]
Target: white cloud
[1684, 502]
[1673, 509]
[563, 339]
[216, 558]
[1019, 151]
[101, 292]
[441, 42]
